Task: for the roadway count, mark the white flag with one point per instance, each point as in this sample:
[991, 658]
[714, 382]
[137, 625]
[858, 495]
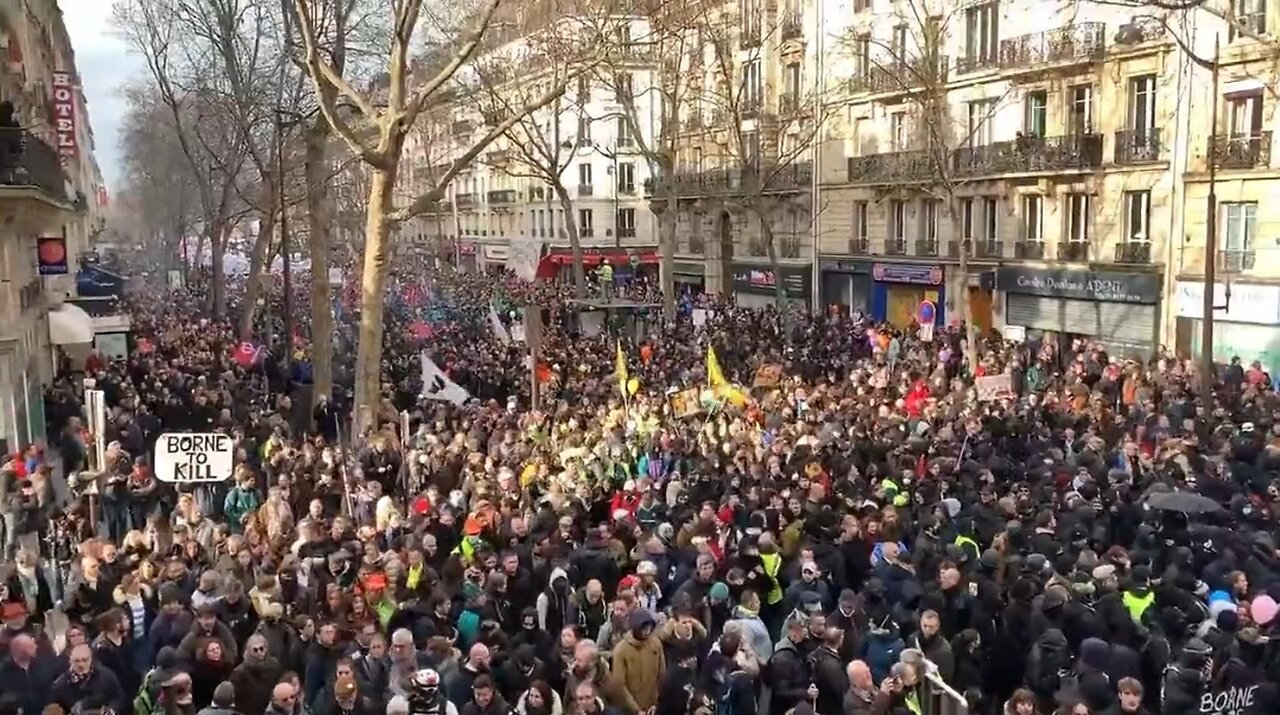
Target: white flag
[437, 386]
[499, 330]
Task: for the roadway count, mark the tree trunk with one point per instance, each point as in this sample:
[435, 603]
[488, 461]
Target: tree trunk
[667, 250]
[259, 260]
[373, 281]
[217, 291]
[970, 333]
[575, 243]
[766, 234]
[320, 245]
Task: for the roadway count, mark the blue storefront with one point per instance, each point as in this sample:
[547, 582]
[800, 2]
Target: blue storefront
[898, 288]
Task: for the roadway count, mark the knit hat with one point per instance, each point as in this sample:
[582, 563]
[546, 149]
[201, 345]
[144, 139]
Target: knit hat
[1228, 621]
[719, 591]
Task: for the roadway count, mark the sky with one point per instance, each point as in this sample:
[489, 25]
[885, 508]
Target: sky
[104, 63]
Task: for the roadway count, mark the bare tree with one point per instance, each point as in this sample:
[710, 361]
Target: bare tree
[760, 147]
[388, 118]
[941, 152]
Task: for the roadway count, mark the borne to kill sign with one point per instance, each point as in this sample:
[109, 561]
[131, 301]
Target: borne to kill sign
[194, 458]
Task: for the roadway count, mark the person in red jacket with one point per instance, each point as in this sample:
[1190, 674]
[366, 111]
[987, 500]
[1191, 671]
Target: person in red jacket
[627, 500]
[914, 402]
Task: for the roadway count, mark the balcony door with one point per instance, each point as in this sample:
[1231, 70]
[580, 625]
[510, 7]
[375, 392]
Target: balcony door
[1245, 114]
[1142, 106]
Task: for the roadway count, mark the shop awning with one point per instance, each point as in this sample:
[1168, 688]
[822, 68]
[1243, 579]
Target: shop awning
[70, 325]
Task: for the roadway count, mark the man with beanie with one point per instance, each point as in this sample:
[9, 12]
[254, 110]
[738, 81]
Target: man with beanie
[719, 609]
[170, 625]
[638, 662]
[224, 701]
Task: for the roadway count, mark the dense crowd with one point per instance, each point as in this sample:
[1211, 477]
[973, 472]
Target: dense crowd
[862, 533]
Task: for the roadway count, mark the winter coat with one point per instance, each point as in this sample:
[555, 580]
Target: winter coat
[787, 676]
[253, 683]
[638, 664]
[607, 685]
[100, 683]
[30, 685]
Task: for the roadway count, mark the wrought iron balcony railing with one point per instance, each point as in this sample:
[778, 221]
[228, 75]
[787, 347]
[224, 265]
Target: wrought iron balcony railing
[895, 247]
[1236, 260]
[902, 75]
[1133, 252]
[586, 190]
[927, 247]
[1083, 42]
[464, 200]
[26, 160]
[1030, 154]
[1243, 151]
[1032, 250]
[792, 25]
[891, 167]
[859, 247]
[503, 196]
[1073, 251]
[1137, 146]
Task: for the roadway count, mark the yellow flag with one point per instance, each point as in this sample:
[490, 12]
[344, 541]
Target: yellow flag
[620, 370]
[715, 376]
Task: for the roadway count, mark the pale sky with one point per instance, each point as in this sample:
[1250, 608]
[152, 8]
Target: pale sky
[104, 63]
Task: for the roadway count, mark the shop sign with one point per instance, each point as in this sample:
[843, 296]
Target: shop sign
[764, 281]
[64, 114]
[1254, 304]
[907, 273]
[1081, 285]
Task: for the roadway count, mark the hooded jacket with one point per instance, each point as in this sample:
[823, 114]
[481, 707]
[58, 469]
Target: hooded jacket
[639, 663]
[555, 604]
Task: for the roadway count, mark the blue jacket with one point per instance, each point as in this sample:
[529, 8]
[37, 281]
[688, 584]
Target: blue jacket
[882, 653]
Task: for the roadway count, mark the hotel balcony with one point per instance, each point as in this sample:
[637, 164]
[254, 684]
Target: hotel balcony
[28, 162]
[1243, 151]
[1064, 46]
[1029, 155]
[1134, 147]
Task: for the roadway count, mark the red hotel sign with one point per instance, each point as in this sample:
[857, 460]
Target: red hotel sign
[64, 113]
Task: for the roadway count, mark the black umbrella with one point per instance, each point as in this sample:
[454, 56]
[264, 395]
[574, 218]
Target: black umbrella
[1185, 502]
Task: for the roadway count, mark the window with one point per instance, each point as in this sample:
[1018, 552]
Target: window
[1079, 218]
[697, 159]
[791, 86]
[1080, 110]
[929, 221]
[627, 178]
[624, 35]
[899, 44]
[861, 57]
[897, 222]
[584, 174]
[966, 219]
[1033, 218]
[1036, 121]
[1137, 216]
[861, 5]
[622, 89]
[586, 219]
[898, 131]
[751, 20]
[990, 215]
[751, 85]
[584, 89]
[1239, 226]
[584, 131]
[1245, 115]
[1250, 18]
[624, 132]
[981, 130]
[1142, 104]
[982, 33]
[861, 214]
[751, 147]
[626, 223]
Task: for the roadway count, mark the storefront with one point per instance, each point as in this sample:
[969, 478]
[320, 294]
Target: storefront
[495, 258]
[1249, 328]
[980, 290]
[1119, 310]
[846, 284]
[756, 286]
[897, 290]
[689, 275]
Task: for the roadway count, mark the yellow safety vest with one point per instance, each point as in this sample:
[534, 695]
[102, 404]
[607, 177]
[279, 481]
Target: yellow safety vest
[1137, 605]
[966, 544]
[913, 702]
[772, 562]
[900, 497]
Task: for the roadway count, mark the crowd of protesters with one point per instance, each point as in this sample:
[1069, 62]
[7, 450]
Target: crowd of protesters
[843, 540]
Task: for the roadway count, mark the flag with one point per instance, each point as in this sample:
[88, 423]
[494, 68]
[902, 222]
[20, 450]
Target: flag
[620, 369]
[246, 354]
[437, 386]
[715, 376]
[420, 330]
[499, 330]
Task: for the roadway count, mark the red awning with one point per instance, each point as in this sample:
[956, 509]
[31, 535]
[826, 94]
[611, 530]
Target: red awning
[551, 264]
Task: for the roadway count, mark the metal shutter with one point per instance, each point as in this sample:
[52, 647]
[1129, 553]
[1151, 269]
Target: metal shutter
[1120, 323]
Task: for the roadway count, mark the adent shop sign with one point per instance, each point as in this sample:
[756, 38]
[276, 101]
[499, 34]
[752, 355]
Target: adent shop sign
[1081, 285]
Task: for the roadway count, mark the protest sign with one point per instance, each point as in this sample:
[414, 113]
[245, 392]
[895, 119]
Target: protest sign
[686, 403]
[192, 458]
[994, 387]
[768, 376]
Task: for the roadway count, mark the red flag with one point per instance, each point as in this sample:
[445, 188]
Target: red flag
[421, 330]
[246, 354]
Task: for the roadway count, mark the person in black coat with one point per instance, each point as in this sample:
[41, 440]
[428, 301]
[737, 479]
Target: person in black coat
[85, 680]
[28, 674]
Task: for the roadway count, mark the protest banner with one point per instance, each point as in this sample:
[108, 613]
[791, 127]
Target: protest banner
[768, 376]
[686, 403]
[994, 387]
[193, 458]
